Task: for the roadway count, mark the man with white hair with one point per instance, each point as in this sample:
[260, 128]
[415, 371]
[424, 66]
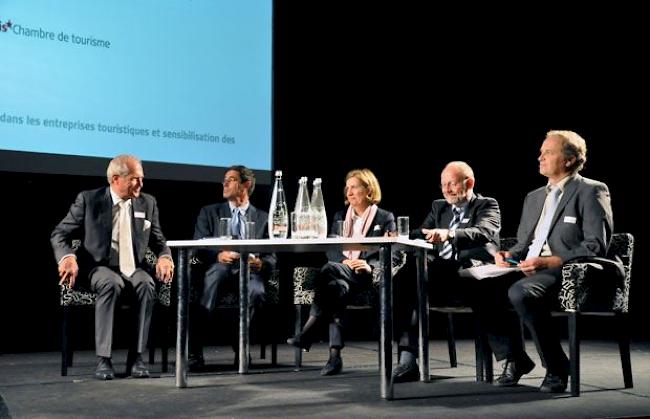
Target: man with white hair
[116, 224]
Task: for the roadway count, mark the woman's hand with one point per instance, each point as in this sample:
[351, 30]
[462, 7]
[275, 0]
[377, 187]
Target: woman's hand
[358, 265]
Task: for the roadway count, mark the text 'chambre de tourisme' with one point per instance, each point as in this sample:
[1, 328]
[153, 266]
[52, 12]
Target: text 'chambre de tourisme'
[39, 33]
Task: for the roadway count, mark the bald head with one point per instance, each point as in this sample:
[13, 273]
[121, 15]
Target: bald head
[457, 182]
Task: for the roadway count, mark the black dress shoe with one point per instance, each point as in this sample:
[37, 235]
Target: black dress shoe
[300, 341]
[403, 373]
[334, 366]
[512, 372]
[138, 369]
[554, 383]
[104, 369]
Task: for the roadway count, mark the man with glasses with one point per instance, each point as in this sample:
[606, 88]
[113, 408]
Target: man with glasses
[464, 227]
[218, 271]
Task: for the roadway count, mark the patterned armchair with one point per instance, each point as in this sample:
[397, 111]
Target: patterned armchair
[599, 288]
[71, 298]
[303, 292]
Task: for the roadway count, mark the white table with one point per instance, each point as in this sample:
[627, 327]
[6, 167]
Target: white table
[244, 247]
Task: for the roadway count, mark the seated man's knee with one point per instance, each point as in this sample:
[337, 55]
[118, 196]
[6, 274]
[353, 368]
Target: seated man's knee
[143, 283]
[337, 289]
[257, 291]
[522, 293]
[105, 280]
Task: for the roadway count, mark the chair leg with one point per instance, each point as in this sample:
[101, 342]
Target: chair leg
[157, 329]
[451, 341]
[298, 328]
[487, 360]
[624, 349]
[480, 362]
[484, 369]
[65, 350]
[574, 354]
[274, 353]
[152, 352]
[166, 333]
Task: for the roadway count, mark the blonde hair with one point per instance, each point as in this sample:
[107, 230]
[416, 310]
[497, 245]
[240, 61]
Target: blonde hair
[369, 181]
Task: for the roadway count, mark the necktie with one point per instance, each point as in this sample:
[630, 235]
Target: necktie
[447, 251]
[552, 199]
[125, 242]
[237, 224]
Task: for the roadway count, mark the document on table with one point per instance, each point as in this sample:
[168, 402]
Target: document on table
[487, 271]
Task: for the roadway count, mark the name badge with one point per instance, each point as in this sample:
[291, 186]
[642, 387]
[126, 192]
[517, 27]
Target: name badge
[138, 214]
[465, 221]
[569, 219]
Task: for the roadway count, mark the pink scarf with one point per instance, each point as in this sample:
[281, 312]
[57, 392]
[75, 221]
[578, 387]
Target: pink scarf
[348, 227]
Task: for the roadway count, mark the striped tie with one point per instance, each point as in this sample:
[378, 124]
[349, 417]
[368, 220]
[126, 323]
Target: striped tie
[447, 251]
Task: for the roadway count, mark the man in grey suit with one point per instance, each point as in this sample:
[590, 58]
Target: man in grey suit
[218, 270]
[464, 228]
[569, 218]
[116, 225]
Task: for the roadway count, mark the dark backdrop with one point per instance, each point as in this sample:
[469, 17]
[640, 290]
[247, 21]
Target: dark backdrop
[400, 91]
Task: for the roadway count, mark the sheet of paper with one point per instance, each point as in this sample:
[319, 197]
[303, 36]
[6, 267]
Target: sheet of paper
[487, 271]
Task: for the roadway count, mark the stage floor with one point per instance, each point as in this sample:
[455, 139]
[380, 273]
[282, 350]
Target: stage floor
[31, 387]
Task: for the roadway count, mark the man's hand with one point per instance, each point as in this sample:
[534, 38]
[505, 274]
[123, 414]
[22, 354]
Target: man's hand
[165, 270]
[68, 271]
[436, 235]
[227, 257]
[255, 263]
[499, 258]
[533, 265]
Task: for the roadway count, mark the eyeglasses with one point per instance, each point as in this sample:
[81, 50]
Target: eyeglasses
[229, 179]
[452, 184]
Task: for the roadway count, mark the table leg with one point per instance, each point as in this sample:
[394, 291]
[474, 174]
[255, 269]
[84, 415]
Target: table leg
[423, 315]
[386, 324]
[244, 313]
[182, 319]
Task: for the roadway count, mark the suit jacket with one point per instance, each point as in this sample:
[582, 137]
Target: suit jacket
[207, 225]
[383, 222]
[90, 219]
[582, 225]
[477, 235]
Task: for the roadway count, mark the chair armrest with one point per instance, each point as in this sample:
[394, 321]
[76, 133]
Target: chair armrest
[303, 284]
[591, 285]
[76, 296]
[398, 260]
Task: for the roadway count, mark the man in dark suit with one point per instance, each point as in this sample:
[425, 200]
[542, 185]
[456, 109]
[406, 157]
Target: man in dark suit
[116, 225]
[569, 218]
[218, 270]
[464, 227]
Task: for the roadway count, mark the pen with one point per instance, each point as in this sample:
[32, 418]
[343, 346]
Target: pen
[511, 261]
